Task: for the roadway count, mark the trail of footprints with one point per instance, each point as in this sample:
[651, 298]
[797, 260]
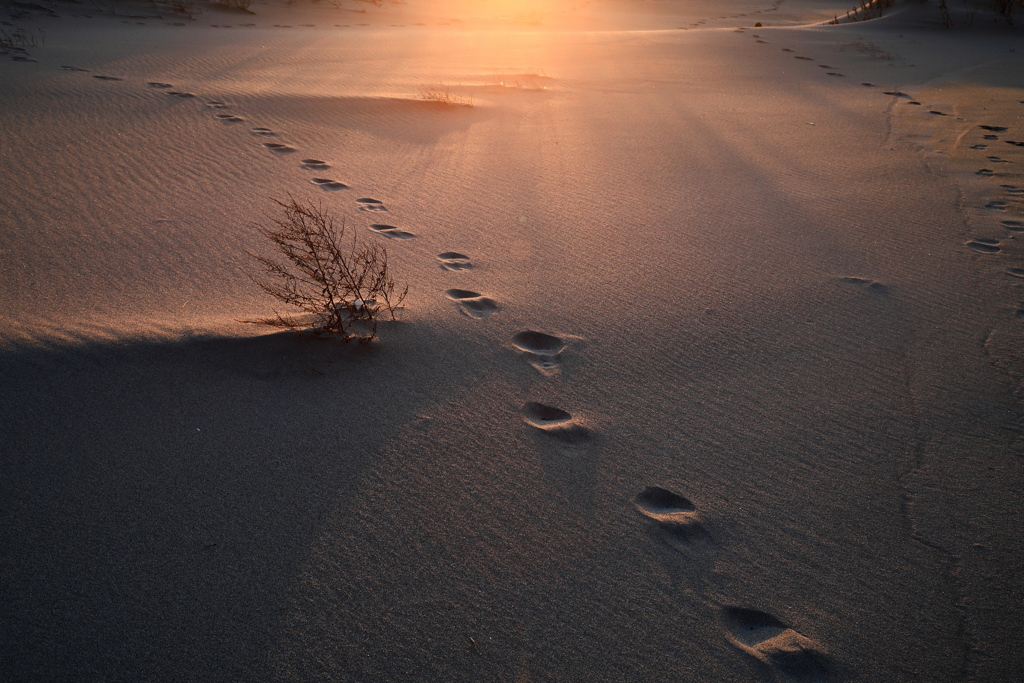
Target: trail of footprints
[676, 519]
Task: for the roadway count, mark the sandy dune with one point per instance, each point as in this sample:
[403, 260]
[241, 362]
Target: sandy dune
[709, 370]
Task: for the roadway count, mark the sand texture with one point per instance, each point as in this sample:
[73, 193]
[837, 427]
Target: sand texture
[710, 368]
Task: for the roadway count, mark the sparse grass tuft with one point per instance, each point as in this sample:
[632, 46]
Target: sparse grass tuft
[443, 94]
[339, 282]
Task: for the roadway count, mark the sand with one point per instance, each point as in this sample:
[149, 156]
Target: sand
[710, 368]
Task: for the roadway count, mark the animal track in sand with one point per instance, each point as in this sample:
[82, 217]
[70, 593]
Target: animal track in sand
[158, 84]
[1013, 225]
[262, 131]
[328, 184]
[315, 165]
[770, 641]
[873, 286]
[453, 260]
[278, 148]
[985, 245]
[108, 78]
[555, 423]
[473, 304]
[228, 118]
[367, 204]
[391, 232]
[74, 68]
[541, 350]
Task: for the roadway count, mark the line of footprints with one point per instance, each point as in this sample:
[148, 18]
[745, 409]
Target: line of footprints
[764, 637]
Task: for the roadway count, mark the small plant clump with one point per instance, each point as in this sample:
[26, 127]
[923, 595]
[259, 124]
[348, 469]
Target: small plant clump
[444, 95]
[342, 285]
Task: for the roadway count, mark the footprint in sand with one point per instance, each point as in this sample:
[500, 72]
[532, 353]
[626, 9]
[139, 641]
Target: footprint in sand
[896, 93]
[228, 118]
[1015, 272]
[985, 172]
[175, 93]
[835, 73]
[453, 260]
[217, 104]
[367, 204]
[979, 146]
[774, 644]
[678, 524]
[806, 59]
[1016, 226]
[996, 205]
[278, 148]
[315, 164]
[985, 245]
[1013, 190]
[872, 286]
[997, 160]
[158, 84]
[825, 66]
[786, 49]
[989, 137]
[541, 350]
[556, 424]
[994, 129]
[868, 85]
[262, 131]
[473, 304]
[108, 78]
[328, 184]
[74, 68]
[937, 113]
[1015, 143]
[391, 232]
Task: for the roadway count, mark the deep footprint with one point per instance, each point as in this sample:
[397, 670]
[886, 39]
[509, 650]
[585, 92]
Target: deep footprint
[473, 304]
[278, 148]
[664, 506]
[555, 423]
[453, 260]
[262, 131]
[315, 165]
[542, 351]
[391, 232]
[367, 204]
[769, 640]
[328, 184]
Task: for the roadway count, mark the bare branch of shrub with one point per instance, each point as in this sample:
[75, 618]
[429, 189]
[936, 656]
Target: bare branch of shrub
[340, 283]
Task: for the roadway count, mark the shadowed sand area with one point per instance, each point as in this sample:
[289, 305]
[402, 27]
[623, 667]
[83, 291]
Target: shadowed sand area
[768, 425]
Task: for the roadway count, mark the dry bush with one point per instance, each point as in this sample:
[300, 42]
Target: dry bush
[235, 4]
[339, 282]
[443, 94]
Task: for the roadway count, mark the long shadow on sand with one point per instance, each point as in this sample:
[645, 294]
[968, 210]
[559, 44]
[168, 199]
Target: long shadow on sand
[158, 496]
